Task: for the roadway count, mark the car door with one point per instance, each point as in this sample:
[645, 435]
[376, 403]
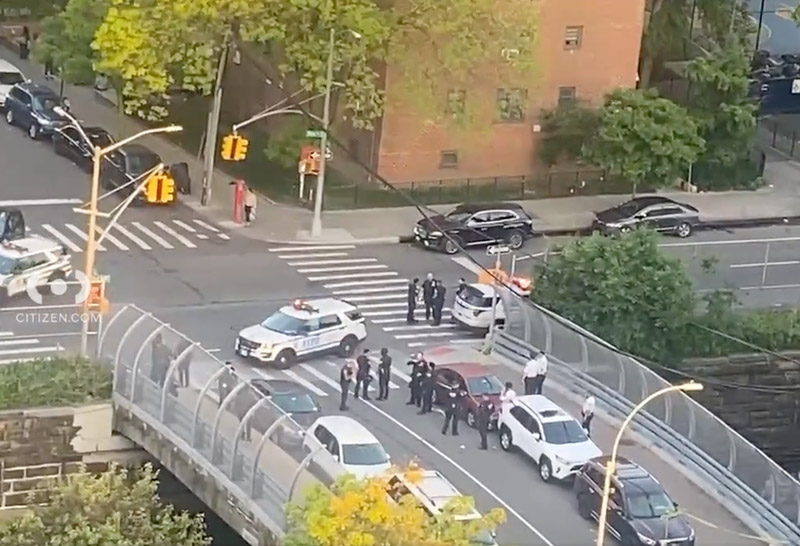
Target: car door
[311, 339]
[657, 217]
[616, 513]
[519, 424]
[671, 217]
[443, 379]
[113, 170]
[477, 230]
[593, 488]
[538, 441]
[502, 223]
[24, 111]
[70, 141]
[30, 270]
[331, 331]
[324, 459]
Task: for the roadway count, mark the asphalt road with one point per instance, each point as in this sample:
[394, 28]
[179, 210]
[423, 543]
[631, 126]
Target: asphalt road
[779, 32]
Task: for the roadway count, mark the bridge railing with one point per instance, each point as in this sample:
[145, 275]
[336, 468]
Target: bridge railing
[745, 476]
[224, 422]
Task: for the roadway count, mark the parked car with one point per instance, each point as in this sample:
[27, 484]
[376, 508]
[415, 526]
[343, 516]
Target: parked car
[348, 447]
[474, 378]
[655, 212]
[68, 142]
[30, 264]
[126, 164]
[476, 224]
[291, 398]
[543, 431]
[33, 107]
[640, 512]
[10, 76]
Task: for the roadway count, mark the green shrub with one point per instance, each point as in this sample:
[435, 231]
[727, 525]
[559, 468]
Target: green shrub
[79, 71]
[53, 382]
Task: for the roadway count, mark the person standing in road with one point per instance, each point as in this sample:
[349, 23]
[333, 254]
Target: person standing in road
[508, 393]
[250, 205]
[587, 414]
[461, 285]
[362, 375]
[413, 290]
[483, 418]
[428, 288]
[428, 385]
[438, 302]
[529, 374]
[345, 379]
[451, 410]
[417, 365]
[384, 373]
[541, 372]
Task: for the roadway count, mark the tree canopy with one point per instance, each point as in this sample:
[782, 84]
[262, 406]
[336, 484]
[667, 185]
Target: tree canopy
[645, 138]
[624, 289]
[361, 513]
[565, 132]
[118, 507]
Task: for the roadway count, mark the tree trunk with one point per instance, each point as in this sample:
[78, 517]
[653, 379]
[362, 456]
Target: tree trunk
[633, 190]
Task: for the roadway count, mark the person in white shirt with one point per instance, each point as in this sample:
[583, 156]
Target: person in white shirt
[587, 413]
[541, 372]
[508, 393]
[529, 374]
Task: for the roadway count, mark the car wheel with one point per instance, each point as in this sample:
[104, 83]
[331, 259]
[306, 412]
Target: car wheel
[625, 229]
[545, 469]
[452, 245]
[33, 131]
[683, 230]
[471, 420]
[505, 439]
[9, 116]
[347, 346]
[583, 510]
[515, 240]
[285, 359]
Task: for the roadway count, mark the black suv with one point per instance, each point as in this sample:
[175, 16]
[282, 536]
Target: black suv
[656, 212]
[476, 225]
[640, 513]
[33, 107]
[125, 164]
[291, 398]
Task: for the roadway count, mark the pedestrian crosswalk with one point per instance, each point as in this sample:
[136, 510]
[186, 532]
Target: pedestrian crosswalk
[378, 291]
[168, 234]
[22, 348]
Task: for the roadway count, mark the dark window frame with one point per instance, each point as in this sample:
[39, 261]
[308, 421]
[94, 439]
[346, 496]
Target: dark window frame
[567, 95]
[456, 102]
[448, 159]
[573, 37]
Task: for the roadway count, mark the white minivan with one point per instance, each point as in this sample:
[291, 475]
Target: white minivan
[345, 445]
[10, 76]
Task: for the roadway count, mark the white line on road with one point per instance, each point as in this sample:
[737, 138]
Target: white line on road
[307, 384]
[210, 228]
[156, 237]
[18, 342]
[113, 240]
[400, 289]
[404, 376]
[771, 287]
[466, 341]
[732, 242]
[321, 376]
[396, 313]
[39, 202]
[311, 247]
[35, 350]
[183, 240]
[334, 262]
[74, 229]
[319, 255]
[762, 265]
[377, 297]
[366, 283]
[264, 374]
[343, 268]
[61, 238]
[5, 334]
[467, 264]
[445, 316]
[423, 334]
[382, 305]
[132, 237]
[190, 229]
[353, 276]
[419, 327]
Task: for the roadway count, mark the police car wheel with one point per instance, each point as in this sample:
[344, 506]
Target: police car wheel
[347, 346]
[285, 359]
[471, 419]
[545, 469]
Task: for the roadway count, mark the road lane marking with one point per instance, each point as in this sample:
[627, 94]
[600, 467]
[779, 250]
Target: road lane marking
[156, 237]
[264, 374]
[428, 334]
[132, 237]
[335, 262]
[445, 316]
[5, 334]
[210, 228]
[732, 242]
[310, 386]
[190, 229]
[342, 268]
[181, 239]
[467, 341]
[353, 276]
[113, 240]
[18, 342]
[762, 265]
[771, 287]
[467, 264]
[307, 384]
[318, 255]
[74, 229]
[366, 283]
[383, 305]
[311, 247]
[39, 202]
[419, 327]
[373, 290]
[397, 313]
[34, 350]
[61, 238]
[377, 298]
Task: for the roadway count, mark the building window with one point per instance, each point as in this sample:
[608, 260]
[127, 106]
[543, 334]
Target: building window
[573, 37]
[456, 102]
[512, 104]
[448, 159]
[566, 96]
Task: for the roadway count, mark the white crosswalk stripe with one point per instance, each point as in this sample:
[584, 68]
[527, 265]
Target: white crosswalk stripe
[334, 262]
[209, 227]
[132, 237]
[53, 232]
[183, 240]
[74, 229]
[157, 238]
[111, 239]
[344, 268]
[190, 229]
[16, 348]
[354, 276]
[307, 384]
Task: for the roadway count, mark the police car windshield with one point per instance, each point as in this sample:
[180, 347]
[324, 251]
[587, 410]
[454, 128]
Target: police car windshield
[366, 454]
[488, 384]
[564, 432]
[6, 265]
[283, 324]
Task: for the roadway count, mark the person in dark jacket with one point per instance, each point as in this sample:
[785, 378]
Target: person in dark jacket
[418, 367]
[428, 386]
[346, 375]
[363, 376]
[428, 287]
[438, 302]
[483, 418]
[452, 408]
[384, 373]
[185, 363]
[226, 381]
[161, 357]
[413, 290]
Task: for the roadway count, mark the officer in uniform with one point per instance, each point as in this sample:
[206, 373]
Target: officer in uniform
[428, 287]
[428, 386]
[413, 290]
[417, 365]
[483, 418]
[452, 408]
[384, 372]
[362, 375]
[345, 378]
[438, 303]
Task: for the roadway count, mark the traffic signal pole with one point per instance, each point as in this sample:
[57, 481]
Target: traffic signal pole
[316, 223]
[213, 126]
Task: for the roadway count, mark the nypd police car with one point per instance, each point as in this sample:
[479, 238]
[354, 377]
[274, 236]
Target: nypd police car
[28, 263]
[303, 328]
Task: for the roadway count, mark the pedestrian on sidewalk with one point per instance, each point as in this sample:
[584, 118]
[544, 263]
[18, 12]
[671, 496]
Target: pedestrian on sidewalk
[587, 414]
[250, 205]
[413, 290]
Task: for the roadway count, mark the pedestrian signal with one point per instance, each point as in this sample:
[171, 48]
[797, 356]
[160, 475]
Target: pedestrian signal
[160, 189]
[234, 148]
[96, 299]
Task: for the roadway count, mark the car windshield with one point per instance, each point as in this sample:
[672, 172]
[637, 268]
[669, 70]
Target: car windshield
[630, 208]
[292, 402]
[484, 538]
[44, 103]
[6, 265]
[101, 139]
[564, 432]
[364, 454]
[458, 216]
[487, 384]
[473, 296]
[648, 503]
[283, 324]
[11, 78]
[139, 164]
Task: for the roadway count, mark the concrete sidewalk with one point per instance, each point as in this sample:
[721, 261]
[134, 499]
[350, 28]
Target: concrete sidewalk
[290, 224]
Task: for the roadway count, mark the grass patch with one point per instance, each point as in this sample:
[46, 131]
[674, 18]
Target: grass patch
[62, 381]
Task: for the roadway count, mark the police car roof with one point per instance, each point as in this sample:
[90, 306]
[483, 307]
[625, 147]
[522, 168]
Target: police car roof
[347, 430]
[546, 409]
[322, 306]
[26, 246]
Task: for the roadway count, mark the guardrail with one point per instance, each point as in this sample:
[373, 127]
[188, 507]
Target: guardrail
[741, 473]
[229, 428]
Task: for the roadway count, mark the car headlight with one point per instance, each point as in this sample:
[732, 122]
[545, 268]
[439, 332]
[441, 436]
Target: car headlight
[691, 534]
[561, 461]
[646, 540]
[43, 121]
[436, 234]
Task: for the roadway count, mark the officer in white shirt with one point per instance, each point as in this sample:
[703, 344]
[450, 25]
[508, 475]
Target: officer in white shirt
[587, 413]
[508, 393]
[530, 373]
[541, 372]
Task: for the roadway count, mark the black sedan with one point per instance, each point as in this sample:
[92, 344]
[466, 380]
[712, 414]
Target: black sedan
[68, 142]
[654, 212]
[289, 398]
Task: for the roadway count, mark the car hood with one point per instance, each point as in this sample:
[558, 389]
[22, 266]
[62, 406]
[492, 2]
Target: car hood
[577, 453]
[259, 334]
[436, 223]
[52, 117]
[675, 527]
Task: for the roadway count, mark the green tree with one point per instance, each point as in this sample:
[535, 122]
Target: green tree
[116, 507]
[66, 39]
[644, 138]
[283, 146]
[623, 289]
[565, 131]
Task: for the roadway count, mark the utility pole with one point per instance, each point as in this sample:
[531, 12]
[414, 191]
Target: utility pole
[760, 24]
[212, 126]
[316, 224]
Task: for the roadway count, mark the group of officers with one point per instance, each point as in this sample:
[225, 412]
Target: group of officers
[422, 390]
[431, 294]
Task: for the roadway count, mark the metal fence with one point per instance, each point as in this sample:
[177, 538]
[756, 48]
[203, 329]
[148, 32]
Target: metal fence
[227, 426]
[746, 477]
[781, 133]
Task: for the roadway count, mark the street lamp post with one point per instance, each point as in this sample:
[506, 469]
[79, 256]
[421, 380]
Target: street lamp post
[316, 223]
[611, 464]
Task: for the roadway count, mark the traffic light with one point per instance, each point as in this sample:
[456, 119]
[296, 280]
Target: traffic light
[234, 148]
[240, 151]
[160, 189]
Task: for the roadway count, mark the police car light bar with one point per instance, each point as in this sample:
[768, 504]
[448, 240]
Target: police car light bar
[301, 305]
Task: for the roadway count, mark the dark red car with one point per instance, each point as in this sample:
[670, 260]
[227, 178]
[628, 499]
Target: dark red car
[477, 380]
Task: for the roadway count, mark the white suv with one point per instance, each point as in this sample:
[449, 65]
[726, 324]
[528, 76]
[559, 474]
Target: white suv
[31, 262]
[547, 434]
[344, 445]
[303, 328]
[10, 76]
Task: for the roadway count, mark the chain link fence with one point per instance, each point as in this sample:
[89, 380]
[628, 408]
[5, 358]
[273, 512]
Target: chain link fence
[602, 370]
[222, 420]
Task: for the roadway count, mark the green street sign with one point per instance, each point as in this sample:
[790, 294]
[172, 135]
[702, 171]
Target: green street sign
[315, 133]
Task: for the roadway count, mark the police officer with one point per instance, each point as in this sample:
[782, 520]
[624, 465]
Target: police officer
[483, 418]
[413, 290]
[226, 381]
[438, 302]
[417, 365]
[384, 372]
[345, 379]
[452, 407]
[362, 375]
[428, 386]
[428, 288]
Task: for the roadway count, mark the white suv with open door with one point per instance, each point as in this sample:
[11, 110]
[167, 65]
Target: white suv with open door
[547, 434]
[10, 76]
